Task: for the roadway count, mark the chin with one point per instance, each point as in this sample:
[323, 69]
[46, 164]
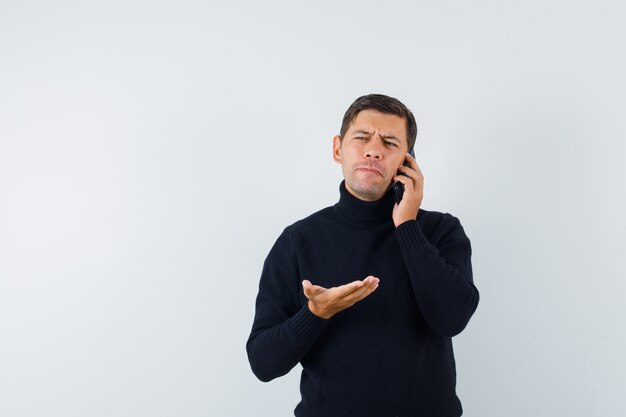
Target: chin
[370, 192]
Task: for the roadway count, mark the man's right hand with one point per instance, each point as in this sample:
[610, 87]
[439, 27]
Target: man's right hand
[326, 302]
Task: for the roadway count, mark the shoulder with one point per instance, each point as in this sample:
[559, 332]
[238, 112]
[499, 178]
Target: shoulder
[435, 217]
[308, 232]
[436, 223]
[292, 238]
[313, 221]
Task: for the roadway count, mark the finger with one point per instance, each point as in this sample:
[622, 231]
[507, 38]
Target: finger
[369, 283]
[361, 293]
[308, 284]
[371, 279]
[412, 168]
[408, 171]
[402, 178]
[348, 289]
[352, 286]
[306, 288]
[412, 162]
[311, 290]
[415, 167]
[407, 181]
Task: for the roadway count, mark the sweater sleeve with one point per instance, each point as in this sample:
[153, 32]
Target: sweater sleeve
[441, 275]
[284, 328]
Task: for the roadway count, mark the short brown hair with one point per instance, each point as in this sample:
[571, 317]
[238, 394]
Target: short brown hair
[383, 104]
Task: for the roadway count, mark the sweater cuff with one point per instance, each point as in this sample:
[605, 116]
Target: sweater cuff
[307, 326]
[410, 235]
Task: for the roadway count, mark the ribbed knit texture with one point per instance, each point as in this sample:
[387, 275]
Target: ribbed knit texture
[391, 353]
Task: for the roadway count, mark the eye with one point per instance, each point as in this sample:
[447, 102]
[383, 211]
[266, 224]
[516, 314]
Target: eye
[391, 143]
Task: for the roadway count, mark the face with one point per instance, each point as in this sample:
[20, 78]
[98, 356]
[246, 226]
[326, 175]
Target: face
[372, 149]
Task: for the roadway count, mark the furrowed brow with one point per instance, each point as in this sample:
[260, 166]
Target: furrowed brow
[389, 137]
[362, 132]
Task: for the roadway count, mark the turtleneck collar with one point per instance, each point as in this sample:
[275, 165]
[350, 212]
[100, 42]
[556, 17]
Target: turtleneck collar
[362, 212]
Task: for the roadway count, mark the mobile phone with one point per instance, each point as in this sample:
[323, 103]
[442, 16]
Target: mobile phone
[398, 187]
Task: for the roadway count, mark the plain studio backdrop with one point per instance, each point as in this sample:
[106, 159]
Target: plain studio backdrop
[152, 152]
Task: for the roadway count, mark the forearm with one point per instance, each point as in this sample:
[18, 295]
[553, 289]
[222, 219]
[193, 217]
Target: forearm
[442, 286]
[274, 351]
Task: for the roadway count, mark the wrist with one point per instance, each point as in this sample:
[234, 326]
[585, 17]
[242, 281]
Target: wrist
[317, 312]
[403, 219]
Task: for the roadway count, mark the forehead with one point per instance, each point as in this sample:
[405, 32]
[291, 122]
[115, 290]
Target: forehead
[383, 123]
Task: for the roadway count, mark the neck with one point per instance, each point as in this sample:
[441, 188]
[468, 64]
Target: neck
[358, 211]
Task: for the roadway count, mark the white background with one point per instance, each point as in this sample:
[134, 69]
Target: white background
[151, 152]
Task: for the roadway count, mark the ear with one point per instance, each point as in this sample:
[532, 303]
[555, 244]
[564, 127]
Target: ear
[337, 149]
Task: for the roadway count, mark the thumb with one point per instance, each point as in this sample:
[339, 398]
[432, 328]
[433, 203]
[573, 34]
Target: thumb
[306, 287]
[310, 290]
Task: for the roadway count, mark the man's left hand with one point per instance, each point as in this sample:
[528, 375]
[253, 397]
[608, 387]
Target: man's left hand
[413, 181]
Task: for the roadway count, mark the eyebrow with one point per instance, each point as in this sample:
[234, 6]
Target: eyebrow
[365, 132]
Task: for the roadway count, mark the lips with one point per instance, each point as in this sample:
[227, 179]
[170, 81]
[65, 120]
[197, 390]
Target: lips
[369, 169]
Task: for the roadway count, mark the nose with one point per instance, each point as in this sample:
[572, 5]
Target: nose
[373, 151]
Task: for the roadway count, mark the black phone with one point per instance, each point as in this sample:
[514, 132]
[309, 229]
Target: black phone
[398, 187]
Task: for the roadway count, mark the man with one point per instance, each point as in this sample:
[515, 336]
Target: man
[368, 293]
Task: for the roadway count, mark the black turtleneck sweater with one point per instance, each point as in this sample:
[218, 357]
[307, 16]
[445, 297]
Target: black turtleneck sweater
[391, 353]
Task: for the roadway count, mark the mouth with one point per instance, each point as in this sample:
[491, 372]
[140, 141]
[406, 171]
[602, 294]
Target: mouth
[369, 170]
